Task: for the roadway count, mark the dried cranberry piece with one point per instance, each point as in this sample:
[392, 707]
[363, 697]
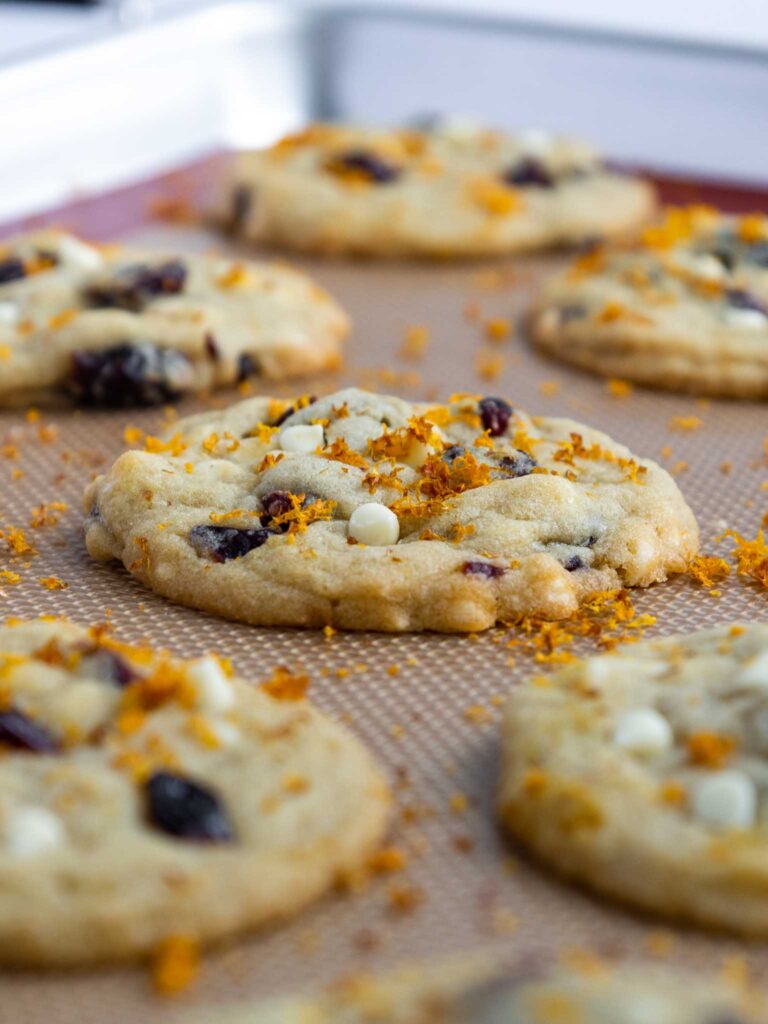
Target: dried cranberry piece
[246, 367]
[135, 287]
[519, 464]
[373, 167]
[242, 203]
[483, 569]
[11, 269]
[223, 543]
[19, 731]
[290, 411]
[129, 374]
[573, 563]
[495, 414]
[277, 503]
[186, 810]
[529, 171]
[212, 349]
[738, 298]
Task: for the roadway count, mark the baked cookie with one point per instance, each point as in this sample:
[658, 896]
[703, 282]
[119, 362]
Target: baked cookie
[451, 191]
[685, 308]
[644, 774]
[143, 795]
[473, 992]
[117, 327]
[368, 512]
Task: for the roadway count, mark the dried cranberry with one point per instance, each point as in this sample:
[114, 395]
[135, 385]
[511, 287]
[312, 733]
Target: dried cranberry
[495, 414]
[186, 810]
[246, 367]
[242, 203]
[277, 503]
[128, 375]
[529, 171]
[290, 411]
[573, 563]
[519, 464]
[483, 569]
[223, 543]
[19, 731]
[135, 287]
[738, 298]
[212, 349]
[11, 269]
[372, 167]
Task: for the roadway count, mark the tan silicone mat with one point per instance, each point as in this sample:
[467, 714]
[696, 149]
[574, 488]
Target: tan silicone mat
[469, 887]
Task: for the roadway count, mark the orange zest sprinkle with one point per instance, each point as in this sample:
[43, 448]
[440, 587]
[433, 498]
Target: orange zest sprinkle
[175, 964]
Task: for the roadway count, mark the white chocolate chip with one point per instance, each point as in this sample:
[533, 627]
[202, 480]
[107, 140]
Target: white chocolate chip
[417, 455]
[373, 523]
[303, 439]
[703, 265]
[748, 319]
[643, 731]
[726, 799]
[79, 255]
[9, 314]
[214, 691]
[226, 733]
[459, 129]
[755, 672]
[536, 142]
[32, 830]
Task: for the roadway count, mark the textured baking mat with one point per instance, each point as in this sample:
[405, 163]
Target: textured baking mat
[427, 705]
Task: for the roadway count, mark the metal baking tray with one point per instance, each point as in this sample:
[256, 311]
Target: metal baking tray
[162, 113]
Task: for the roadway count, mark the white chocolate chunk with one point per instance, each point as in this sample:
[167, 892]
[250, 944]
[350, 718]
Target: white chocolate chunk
[703, 265]
[375, 524]
[755, 672]
[9, 314]
[749, 319]
[458, 128]
[726, 799]
[79, 255]
[536, 141]
[214, 691]
[302, 439]
[32, 830]
[226, 733]
[643, 731]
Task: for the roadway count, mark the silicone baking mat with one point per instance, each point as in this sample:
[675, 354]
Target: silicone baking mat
[428, 705]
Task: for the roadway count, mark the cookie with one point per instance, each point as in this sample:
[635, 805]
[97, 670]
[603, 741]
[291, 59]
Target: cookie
[448, 192]
[644, 775]
[142, 795]
[685, 308]
[365, 511]
[116, 327]
[476, 992]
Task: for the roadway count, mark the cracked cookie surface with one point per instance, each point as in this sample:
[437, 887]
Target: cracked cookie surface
[644, 775]
[439, 193]
[685, 308]
[365, 511]
[111, 326]
[142, 795]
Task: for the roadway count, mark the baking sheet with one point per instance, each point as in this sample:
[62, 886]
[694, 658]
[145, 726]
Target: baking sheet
[470, 886]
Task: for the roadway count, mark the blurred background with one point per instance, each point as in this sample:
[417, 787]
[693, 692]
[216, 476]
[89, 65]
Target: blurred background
[105, 92]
